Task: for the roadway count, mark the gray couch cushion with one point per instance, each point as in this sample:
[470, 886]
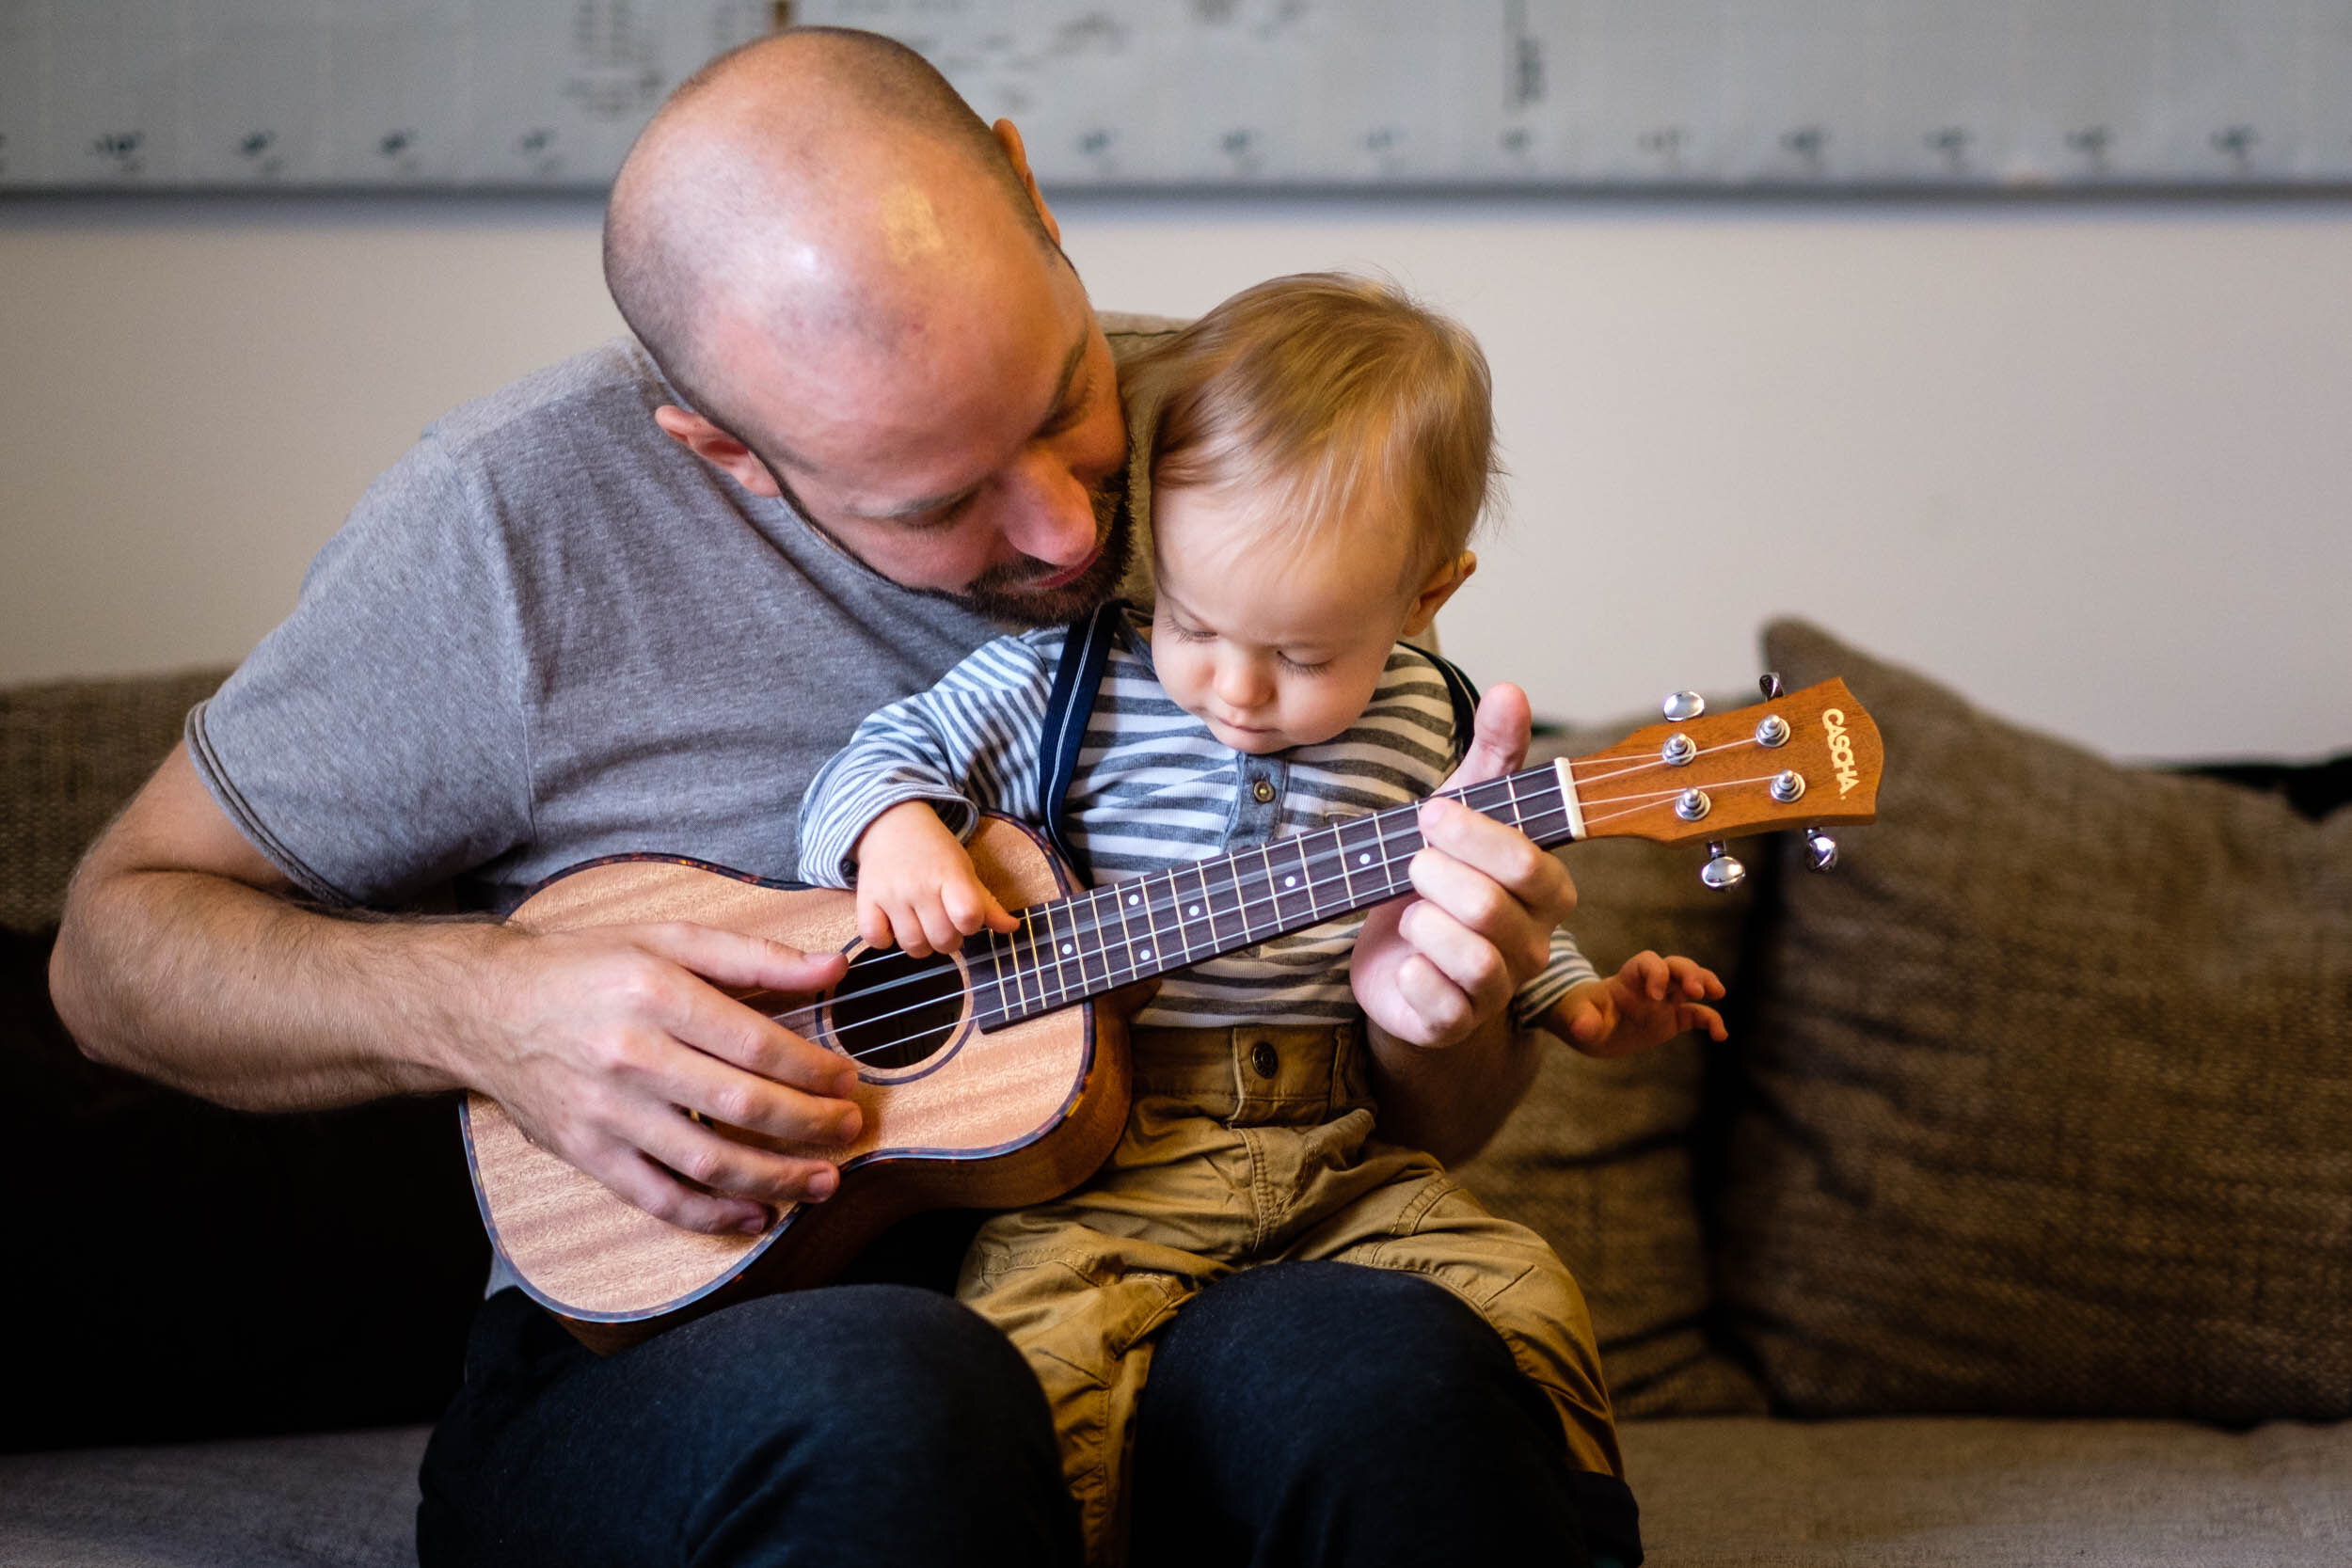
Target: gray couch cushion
[344, 1500]
[2050, 1088]
[1597, 1159]
[1990, 1494]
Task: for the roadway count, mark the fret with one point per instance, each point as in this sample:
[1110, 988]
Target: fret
[1176, 907]
[1297, 896]
[1272, 901]
[1148, 958]
[1057, 984]
[1031, 990]
[1094, 958]
[1227, 922]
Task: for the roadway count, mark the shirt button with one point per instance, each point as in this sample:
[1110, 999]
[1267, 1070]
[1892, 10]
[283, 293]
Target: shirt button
[1262, 791]
[1264, 1061]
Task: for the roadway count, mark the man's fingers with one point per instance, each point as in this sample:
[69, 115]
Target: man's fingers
[1498, 739]
[1438, 1005]
[644, 1183]
[740, 1036]
[1464, 958]
[1481, 907]
[738, 957]
[729, 1167]
[1501, 853]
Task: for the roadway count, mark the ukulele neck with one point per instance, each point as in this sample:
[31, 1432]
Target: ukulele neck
[1076, 948]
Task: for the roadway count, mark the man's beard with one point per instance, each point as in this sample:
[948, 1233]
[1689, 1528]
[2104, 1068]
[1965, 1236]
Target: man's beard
[999, 594]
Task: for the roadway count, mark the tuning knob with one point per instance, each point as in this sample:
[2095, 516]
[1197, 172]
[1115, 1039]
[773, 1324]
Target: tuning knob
[1821, 851]
[1721, 872]
[1769, 685]
[1680, 705]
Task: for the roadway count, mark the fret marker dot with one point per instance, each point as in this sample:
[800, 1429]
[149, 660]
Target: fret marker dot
[1134, 898]
[1195, 910]
[1065, 948]
[1290, 882]
[1146, 952]
[1363, 859]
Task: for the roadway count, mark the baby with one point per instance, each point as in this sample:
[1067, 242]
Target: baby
[1320, 450]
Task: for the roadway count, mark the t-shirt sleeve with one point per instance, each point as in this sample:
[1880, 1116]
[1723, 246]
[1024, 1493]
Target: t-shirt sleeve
[373, 746]
[967, 745]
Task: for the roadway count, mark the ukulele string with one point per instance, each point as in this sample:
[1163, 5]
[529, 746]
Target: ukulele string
[1534, 822]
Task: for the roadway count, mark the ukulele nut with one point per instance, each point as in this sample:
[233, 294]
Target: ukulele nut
[1788, 786]
[1774, 731]
[1678, 750]
[1691, 804]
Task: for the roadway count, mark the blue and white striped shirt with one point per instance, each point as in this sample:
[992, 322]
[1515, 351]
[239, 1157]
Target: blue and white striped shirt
[1153, 789]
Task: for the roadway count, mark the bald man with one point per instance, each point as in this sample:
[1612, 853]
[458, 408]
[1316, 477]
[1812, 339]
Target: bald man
[869, 418]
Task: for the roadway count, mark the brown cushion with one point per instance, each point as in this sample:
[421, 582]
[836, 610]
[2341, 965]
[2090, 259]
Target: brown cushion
[1597, 1158]
[2050, 1088]
[70, 753]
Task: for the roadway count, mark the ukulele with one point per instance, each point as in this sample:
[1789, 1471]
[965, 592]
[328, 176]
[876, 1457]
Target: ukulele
[984, 1078]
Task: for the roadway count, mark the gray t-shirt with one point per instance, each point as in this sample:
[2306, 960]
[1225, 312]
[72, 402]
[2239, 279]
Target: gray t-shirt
[549, 633]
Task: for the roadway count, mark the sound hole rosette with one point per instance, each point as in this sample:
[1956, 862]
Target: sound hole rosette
[898, 1018]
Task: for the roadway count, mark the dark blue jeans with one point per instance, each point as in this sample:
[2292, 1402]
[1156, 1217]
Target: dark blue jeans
[1300, 1413]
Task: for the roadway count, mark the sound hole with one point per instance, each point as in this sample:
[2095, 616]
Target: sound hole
[893, 1011]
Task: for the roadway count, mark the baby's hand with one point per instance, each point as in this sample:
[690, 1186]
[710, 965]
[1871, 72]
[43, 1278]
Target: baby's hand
[915, 885]
[1649, 1001]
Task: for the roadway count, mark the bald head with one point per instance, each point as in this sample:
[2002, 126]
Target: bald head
[818, 191]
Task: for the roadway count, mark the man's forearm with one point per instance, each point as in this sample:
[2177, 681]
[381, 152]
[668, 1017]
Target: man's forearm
[242, 997]
[1452, 1102]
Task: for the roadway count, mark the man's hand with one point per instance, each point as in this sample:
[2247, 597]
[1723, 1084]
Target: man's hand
[600, 1041]
[915, 885]
[1436, 967]
[1648, 1001]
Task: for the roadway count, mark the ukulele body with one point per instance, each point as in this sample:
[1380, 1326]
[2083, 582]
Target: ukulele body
[959, 1118]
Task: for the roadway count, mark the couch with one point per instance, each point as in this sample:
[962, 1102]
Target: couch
[2012, 1226]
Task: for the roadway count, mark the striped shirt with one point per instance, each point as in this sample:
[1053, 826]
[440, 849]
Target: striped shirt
[1153, 790]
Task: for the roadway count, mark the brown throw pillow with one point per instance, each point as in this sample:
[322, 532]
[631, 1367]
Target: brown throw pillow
[2049, 1098]
[1597, 1159]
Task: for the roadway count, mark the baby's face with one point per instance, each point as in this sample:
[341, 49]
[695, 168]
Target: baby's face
[1271, 646]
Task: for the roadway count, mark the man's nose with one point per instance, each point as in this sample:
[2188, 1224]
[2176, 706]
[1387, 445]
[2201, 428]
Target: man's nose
[1051, 516]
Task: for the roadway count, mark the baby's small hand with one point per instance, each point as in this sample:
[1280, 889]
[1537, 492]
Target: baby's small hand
[1649, 1001]
[915, 885]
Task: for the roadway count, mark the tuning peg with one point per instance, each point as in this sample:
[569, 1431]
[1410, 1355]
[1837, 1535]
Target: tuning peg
[1721, 872]
[1684, 704]
[1821, 851]
[1769, 685]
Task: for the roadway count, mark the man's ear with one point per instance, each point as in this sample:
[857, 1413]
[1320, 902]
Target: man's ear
[1449, 575]
[1010, 140]
[717, 447]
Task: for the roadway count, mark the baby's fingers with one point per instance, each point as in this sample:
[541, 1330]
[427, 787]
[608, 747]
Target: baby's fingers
[973, 908]
[1693, 979]
[1647, 973]
[1691, 1015]
[873, 922]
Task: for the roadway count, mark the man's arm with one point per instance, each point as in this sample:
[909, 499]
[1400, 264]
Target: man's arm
[182, 957]
[1434, 972]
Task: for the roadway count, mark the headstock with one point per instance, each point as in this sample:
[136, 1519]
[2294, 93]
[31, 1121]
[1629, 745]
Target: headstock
[1809, 758]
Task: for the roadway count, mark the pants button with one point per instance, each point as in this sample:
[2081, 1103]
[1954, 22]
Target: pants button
[1263, 1060]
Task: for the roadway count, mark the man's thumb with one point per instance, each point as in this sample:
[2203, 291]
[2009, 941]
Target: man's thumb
[1499, 741]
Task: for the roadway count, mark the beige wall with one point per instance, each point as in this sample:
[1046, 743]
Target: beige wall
[2085, 463]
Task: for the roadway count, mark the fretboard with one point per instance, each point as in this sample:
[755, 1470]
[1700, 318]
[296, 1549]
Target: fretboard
[1090, 943]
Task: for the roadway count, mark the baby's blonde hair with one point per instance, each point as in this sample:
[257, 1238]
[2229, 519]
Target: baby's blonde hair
[1292, 384]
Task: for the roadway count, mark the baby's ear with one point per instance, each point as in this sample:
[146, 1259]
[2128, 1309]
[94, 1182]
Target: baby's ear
[1447, 576]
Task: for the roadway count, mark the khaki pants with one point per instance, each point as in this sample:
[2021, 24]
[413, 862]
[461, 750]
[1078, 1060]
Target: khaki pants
[1247, 1146]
